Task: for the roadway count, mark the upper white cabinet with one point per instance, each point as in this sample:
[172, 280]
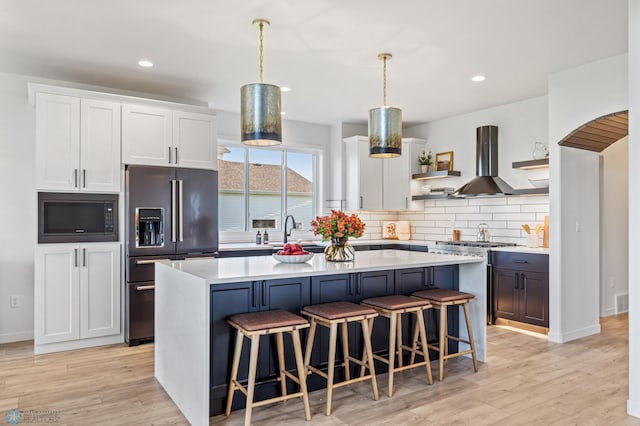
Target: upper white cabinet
[77, 293]
[164, 137]
[379, 184]
[77, 144]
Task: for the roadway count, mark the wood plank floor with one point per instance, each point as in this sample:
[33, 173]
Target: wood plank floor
[527, 381]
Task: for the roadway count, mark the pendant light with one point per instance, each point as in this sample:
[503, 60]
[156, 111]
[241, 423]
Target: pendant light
[385, 124]
[260, 118]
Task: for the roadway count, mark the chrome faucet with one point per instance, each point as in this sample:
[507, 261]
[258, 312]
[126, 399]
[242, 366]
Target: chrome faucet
[286, 221]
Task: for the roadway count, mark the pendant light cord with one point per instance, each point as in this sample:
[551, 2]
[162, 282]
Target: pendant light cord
[261, 52]
[384, 85]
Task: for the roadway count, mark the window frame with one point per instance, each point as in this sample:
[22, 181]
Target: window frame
[317, 178]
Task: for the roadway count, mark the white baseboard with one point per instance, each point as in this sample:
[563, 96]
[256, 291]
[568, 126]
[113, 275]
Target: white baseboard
[16, 337]
[633, 408]
[608, 312]
[575, 334]
[77, 344]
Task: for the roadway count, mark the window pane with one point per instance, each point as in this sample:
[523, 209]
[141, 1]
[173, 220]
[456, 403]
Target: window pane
[265, 185]
[300, 188]
[231, 189]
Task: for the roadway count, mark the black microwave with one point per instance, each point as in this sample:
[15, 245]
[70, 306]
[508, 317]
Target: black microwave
[77, 217]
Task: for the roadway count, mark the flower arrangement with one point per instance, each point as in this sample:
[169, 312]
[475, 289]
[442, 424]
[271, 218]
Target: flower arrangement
[425, 159]
[338, 225]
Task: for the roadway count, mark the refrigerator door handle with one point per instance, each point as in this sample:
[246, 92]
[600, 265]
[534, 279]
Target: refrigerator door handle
[181, 210]
[174, 211]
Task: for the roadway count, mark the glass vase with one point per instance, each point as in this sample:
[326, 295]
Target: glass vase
[339, 251]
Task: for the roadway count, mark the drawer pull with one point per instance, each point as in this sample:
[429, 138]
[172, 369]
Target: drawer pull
[145, 287]
[150, 261]
[520, 261]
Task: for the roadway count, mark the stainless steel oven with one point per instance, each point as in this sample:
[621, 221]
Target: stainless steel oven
[77, 217]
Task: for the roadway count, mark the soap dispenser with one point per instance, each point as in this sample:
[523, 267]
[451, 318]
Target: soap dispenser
[258, 238]
[265, 237]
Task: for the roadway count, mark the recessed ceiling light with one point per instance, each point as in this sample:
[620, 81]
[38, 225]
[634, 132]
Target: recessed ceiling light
[285, 89]
[145, 63]
[478, 78]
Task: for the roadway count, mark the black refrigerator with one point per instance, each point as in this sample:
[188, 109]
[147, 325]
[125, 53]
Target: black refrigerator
[172, 213]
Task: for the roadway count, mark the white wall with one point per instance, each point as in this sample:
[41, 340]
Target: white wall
[577, 96]
[633, 404]
[520, 125]
[614, 225]
[17, 210]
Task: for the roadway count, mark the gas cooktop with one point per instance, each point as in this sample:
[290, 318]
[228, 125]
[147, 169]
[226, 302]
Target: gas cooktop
[475, 243]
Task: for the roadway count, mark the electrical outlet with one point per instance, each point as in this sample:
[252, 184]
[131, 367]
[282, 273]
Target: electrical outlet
[14, 301]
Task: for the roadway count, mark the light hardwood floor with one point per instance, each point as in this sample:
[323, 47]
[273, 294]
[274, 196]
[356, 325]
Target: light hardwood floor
[527, 381]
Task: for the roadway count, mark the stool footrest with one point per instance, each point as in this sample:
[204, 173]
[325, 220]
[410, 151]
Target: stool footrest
[457, 354]
[457, 339]
[238, 386]
[277, 399]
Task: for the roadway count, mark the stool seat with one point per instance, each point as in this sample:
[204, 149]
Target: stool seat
[395, 302]
[257, 321]
[338, 310]
[443, 295]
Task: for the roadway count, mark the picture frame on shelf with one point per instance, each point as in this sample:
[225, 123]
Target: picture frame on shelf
[444, 161]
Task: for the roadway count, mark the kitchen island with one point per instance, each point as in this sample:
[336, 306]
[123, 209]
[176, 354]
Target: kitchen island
[193, 343]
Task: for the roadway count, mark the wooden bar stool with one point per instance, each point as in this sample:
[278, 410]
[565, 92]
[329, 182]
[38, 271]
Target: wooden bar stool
[330, 315]
[440, 299]
[254, 325]
[393, 307]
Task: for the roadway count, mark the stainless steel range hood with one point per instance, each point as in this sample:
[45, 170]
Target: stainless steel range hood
[486, 182]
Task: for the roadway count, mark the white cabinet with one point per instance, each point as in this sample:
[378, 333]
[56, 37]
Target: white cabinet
[164, 137]
[77, 144]
[379, 184]
[77, 292]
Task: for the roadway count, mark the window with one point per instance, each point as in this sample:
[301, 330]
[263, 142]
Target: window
[265, 184]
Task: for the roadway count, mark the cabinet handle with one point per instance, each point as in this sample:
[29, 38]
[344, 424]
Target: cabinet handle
[351, 278]
[84, 178]
[145, 287]
[75, 178]
[169, 155]
[174, 210]
[406, 202]
[264, 293]
[150, 261]
[359, 285]
[516, 279]
[84, 257]
[524, 281]
[253, 294]
[520, 261]
[75, 258]
[176, 148]
[361, 201]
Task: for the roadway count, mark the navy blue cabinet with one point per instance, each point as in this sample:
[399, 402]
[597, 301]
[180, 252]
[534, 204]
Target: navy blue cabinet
[290, 294]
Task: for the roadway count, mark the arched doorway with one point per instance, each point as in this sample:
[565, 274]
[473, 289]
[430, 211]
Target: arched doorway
[598, 136]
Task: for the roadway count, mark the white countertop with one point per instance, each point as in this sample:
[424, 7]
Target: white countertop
[523, 249]
[353, 242]
[228, 270]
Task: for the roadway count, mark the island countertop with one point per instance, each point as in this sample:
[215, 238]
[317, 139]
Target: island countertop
[229, 270]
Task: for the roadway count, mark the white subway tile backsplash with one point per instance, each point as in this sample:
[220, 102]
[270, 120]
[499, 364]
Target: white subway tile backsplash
[491, 223]
[442, 216]
[474, 216]
[500, 209]
[541, 199]
[514, 216]
[451, 202]
[463, 209]
[538, 208]
[432, 210]
[448, 224]
[497, 201]
[411, 216]
[439, 231]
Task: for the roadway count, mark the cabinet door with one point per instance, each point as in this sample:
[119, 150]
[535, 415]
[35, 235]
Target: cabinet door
[363, 176]
[535, 298]
[194, 140]
[56, 293]
[99, 290]
[100, 147]
[147, 135]
[397, 178]
[506, 294]
[374, 284]
[445, 277]
[57, 142]
[411, 280]
[289, 294]
[226, 300]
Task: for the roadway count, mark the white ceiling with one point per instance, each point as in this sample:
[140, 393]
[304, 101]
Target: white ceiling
[325, 50]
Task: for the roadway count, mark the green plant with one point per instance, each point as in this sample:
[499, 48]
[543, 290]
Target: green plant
[425, 159]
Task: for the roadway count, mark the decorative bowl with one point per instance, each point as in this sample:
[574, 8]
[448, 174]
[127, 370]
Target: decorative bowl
[540, 183]
[292, 258]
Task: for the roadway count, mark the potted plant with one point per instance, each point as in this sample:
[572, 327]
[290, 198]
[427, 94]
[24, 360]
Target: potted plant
[425, 160]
